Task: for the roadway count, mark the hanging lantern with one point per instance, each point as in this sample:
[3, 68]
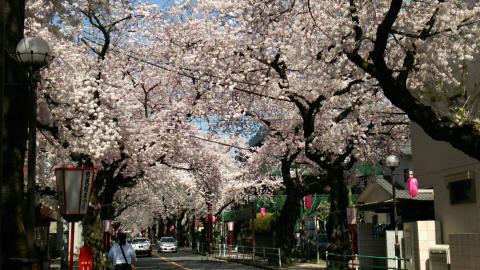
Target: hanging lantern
[308, 201]
[412, 186]
[352, 214]
[106, 223]
[172, 228]
[214, 218]
[230, 226]
[262, 212]
[74, 186]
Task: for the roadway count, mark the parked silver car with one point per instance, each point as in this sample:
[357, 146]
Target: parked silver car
[168, 244]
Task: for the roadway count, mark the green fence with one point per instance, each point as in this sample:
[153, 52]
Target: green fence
[261, 256]
[359, 262]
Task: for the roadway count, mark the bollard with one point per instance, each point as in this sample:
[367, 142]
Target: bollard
[357, 265]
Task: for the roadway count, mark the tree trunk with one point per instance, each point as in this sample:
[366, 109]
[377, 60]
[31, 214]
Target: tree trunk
[92, 222]
[285, 224]
[337, 227]
[92, 232]
[13, 140]
[180, 232]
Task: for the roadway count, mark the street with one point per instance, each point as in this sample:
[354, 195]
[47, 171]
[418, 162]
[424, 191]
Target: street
[184, 261]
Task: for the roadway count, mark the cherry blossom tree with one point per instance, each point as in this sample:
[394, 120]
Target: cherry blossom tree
[131, 83]
[318, 108]
[421, 54]
[96, 116]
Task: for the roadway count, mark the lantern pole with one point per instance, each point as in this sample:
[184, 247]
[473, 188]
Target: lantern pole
[72, 237]
[230, 226]
[209, 223]
[253, 200]
[352, 229]
[352, 212]
[392, 162]
[394, 195]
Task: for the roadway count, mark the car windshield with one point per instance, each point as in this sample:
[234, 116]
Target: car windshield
[167, 240]
[140, 241]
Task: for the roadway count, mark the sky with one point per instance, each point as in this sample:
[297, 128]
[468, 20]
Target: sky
[162, 3]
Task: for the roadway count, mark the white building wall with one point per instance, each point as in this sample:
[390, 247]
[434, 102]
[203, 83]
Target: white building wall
[464, 251]
[419, 237]
[433, 161]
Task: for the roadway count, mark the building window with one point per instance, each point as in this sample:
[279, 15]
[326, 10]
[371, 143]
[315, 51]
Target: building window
[462, 191]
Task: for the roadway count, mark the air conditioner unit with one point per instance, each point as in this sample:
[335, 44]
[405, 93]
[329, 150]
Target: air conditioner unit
[439, 257]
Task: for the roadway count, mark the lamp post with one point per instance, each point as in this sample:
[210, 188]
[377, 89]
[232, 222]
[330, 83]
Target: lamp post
[230, 226]
[253, 200]
[392, 162]
[210, 228]
[34, 54]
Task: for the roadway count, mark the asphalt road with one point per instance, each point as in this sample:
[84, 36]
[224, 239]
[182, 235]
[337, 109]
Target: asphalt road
[184, 261]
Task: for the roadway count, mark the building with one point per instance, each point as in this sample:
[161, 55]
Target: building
[452, 175]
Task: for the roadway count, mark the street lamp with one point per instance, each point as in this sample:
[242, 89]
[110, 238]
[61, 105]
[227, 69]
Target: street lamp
[34, 54]
[253, 200]
[392, 162]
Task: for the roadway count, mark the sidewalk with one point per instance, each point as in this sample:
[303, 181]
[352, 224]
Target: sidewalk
[321, 265]
[296, 264]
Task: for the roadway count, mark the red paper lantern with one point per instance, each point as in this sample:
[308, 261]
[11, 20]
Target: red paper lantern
[308, 201]
[412, 186]
[262, 212]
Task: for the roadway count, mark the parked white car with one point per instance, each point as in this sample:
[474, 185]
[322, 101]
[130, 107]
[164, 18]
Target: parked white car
[142, 246]
[168, 244]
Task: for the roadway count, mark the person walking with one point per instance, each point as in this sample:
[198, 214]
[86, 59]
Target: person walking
[122, 254]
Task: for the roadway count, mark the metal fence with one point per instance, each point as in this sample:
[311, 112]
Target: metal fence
[363, 262]
[259, 255]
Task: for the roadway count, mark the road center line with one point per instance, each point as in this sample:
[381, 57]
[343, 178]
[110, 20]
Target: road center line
[172, 262]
